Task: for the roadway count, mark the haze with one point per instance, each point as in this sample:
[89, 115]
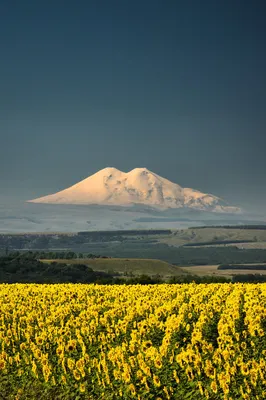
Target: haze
[177, 87]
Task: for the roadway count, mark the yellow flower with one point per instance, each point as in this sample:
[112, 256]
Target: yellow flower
[70, 363]
[76, 374]
[214, 387]
[126, 376]
[132, 389]
[200, 388]
[243, 345]
[175, 376]
[82, 387]
[39, 340]
[244, 369]
[147, 344]
[119, 336]
[158, 363]
[166, 393]
[156, 381]
[71, 345]
[22, 346]
[59, 350]
[34, 369]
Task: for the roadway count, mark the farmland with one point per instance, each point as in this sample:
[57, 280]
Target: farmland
[194, 246]
[214, 270]
[189, 341]
[127, 266]
[251, 238]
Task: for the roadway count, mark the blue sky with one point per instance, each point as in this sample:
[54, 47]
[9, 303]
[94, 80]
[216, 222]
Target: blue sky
[174, 86]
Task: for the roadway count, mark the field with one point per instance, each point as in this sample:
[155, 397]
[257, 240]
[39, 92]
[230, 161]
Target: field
[203, 270]
[185, 236]
[119, 240]
[245, 245]
[127, 266]
[133, 342]
[193, 246]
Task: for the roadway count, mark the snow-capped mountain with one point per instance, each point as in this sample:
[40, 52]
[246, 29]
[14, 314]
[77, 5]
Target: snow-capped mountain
[110, 186]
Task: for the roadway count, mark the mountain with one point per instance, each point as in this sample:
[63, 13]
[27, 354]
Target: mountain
[110, 186]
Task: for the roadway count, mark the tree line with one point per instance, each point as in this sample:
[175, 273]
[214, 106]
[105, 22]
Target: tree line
[24, 268]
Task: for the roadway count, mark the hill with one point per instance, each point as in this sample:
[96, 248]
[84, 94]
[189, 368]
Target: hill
[255, 237]
[127, 266]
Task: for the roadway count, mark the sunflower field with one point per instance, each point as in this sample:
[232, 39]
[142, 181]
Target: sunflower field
[187, 341]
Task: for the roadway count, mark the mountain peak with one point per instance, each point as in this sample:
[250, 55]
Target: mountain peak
[138, 186]
[139, 170]
[108, 170]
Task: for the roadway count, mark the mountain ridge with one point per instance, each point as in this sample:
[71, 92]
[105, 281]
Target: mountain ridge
[110, 186]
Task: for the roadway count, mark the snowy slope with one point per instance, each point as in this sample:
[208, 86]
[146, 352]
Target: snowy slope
[139, 186]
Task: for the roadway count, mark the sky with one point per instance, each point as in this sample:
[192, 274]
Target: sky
[178, 87]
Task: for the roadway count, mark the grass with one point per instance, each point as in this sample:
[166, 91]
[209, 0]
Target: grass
[127, 265]
[212, 270]
[184, 236]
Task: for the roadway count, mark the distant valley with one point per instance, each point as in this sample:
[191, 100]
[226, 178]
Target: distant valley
[30, 217]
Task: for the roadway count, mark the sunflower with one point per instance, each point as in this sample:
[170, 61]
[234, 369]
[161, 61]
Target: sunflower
[71, 345]
[76, 374]
[132, 389]
[158, 363]
[2, 364]
[214, 387]
[156, 381]
[70, 363]
[82, 388]
[39, 340]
